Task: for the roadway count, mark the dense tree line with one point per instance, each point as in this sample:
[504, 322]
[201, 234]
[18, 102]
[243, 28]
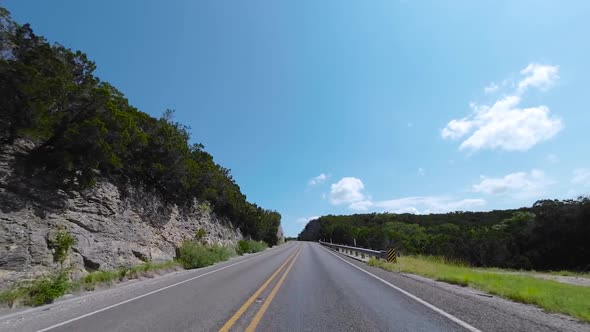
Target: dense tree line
[85, 129]
[550, 235]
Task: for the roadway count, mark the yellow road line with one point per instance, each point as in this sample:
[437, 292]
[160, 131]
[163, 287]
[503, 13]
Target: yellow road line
[264, 307]
[227, 326]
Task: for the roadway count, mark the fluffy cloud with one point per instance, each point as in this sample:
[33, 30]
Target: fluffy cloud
[582, 177]
[505, 125]
[538, 76]
[520, 184]
[457, 128]
[347, 191]
[508, 127]
[318, 179]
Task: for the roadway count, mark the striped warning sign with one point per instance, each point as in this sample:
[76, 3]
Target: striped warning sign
[391, 255]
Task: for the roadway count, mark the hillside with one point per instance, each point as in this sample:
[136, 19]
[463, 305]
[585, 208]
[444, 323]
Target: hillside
[550, 235]
[76, 155]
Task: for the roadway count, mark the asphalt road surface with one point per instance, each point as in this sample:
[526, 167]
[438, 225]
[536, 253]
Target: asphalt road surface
[299, 286]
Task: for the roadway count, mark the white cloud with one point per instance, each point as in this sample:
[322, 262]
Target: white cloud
[538, 76]
[318, 179]
[504, 125]
[420, 171]
[429, 204]
[457, 128]
[519, 185]
[350, 191]
[491, 88]
[510, 128]
[347, 191]
[361, 205]
[582, 177]
[305, 220]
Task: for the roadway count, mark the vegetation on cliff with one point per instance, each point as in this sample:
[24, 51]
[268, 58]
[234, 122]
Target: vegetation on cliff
[86, 130]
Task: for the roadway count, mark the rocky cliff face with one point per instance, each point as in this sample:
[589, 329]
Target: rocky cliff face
[113, 226]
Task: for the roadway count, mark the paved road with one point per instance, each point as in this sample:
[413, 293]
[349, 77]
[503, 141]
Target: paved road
[296, 287]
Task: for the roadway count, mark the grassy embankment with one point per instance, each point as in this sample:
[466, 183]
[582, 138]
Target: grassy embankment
[547, 294]
[191, 255]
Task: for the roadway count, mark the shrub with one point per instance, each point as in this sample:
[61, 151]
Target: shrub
[194, 255]
[45, 290]
[61, 245]
[250, 246]
[200, 234]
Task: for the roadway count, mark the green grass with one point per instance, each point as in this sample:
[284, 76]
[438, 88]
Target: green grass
[551, 295]
[192, 255]
[250, 246]
[110, 277]
[37, 292]
[46, 289]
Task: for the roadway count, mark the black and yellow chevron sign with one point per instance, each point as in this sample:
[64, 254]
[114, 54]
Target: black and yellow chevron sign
[391, 255]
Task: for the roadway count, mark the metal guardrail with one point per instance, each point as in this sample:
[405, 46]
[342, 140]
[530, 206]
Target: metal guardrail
[359, 252]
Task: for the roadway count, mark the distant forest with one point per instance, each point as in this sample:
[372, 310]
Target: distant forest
[550, 235]
[84, 130]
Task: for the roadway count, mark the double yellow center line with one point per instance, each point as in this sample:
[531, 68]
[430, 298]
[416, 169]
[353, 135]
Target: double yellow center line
[254, 323]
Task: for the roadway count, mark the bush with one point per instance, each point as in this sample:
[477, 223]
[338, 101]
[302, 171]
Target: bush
[250, 246]
[61, 245]
[200, 234]
[45, 290]
[38, 292]
[194, 255]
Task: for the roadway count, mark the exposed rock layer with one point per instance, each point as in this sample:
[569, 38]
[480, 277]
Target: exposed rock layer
[113, 226]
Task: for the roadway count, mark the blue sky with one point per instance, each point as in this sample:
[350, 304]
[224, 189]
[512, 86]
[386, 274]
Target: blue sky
[339, 107]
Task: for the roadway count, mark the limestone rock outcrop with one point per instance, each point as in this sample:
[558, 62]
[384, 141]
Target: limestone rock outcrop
[113, 226]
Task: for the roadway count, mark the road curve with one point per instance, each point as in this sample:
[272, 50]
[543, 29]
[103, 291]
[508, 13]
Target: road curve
[300, 286]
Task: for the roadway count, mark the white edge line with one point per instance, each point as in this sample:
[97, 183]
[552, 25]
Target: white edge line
[413, 297]
[144, 295]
